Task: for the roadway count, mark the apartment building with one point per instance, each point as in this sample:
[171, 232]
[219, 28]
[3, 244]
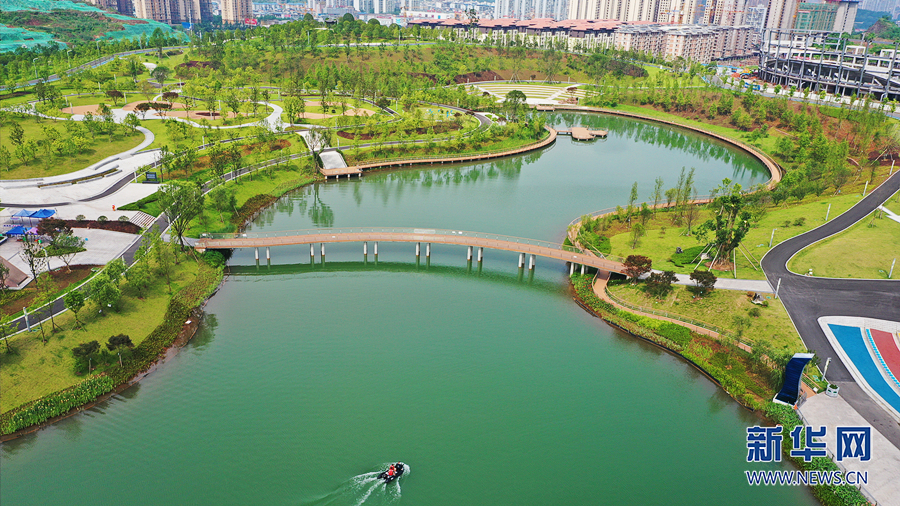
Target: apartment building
[235, 11]
[699, 43]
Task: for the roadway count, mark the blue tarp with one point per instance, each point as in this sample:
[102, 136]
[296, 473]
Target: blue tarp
[43, 213]
[793, 375]
[24, 213]
[16, 231]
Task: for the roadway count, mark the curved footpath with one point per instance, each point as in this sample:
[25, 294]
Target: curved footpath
[808, 298]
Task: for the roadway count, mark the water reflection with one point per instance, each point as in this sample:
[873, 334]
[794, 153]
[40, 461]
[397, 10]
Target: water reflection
[238, 273]
[703, 147]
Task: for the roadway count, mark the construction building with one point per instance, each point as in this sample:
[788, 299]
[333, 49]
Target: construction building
[824, 62]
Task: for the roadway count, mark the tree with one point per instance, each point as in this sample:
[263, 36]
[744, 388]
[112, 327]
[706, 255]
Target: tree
[139, 277]
[74, 301]
[115, 269]
[104, 291]
[17, 134]
[34, 255]
[659, 284]
[117, 342]
[636, 266]
[705, 281]
[513, 102]
[86, 351]
[7, 328]
[132, 121]
[115, 95]
[5, 158]
[637, 231]
[181, 201]
[160, 73]
[657, 193]
[53, 228]
[731, 222]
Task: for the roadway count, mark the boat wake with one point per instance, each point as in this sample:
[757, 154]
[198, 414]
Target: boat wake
[365, 488]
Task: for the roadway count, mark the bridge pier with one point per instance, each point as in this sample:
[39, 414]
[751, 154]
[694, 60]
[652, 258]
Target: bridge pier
[376, 248]
[582, 269]
[469, 254]
[531, 263]
[312, 251]
[418, 246]
[365, 248]
[480, 254]
[521, 260]
[256, 254]
[428, 250]
[571, 268]
[268, 257]
[323, 250]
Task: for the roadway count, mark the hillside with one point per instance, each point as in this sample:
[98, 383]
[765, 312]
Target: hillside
[32, 22]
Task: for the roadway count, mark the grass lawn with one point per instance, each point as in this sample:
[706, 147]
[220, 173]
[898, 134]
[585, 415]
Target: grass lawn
[98, 148]
[660, 246]
[720, 308]
[35, 369]
[865, 250]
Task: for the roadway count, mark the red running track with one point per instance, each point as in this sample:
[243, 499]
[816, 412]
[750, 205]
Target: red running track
[887, 346]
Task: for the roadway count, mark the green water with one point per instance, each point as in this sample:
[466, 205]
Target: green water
[490, 383]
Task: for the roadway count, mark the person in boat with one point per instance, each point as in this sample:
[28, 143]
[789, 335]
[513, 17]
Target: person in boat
[391, 470]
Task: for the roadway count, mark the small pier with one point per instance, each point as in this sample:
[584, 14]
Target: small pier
[583, 134]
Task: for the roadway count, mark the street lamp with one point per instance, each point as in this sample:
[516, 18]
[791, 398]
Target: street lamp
[34, 66]
[68, 58]
[772, 238]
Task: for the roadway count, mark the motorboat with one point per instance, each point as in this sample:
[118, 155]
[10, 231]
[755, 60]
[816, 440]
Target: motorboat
[392, 473]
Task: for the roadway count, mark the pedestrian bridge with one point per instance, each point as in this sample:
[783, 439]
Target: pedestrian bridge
[418, 236]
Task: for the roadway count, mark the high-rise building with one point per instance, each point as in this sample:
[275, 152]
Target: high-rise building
[157, 10]
[236, 11]
[831, 16]
[846, 15]
[780, 16]
[723, 13]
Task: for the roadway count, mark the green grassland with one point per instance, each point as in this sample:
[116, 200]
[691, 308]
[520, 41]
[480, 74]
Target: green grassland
[719, 308]
[659, 244]
[35, 369]
[98, 148]
[865, 250]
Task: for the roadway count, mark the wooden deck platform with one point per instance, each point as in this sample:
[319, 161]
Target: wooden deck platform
[583, 134]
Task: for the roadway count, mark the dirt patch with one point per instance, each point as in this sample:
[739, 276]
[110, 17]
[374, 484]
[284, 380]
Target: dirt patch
[13, 94]
[199, 64]
[487, 75]
[61, 279]
[115, 226]
[438, 129]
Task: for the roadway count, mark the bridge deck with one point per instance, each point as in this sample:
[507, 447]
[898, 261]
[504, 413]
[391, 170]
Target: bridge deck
[461, 239]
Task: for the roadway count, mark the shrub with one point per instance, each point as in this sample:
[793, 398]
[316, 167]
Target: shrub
[102, 218]
[80, 217]
[786, 224]
[213, 258]
[123, 218]
[754, 312]
[800, 221]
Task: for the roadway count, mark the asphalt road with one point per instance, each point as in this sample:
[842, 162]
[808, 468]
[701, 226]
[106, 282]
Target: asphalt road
[808, 298]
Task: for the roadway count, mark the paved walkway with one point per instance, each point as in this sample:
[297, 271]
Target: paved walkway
[883, 468]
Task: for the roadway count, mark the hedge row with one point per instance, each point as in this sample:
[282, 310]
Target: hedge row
[252, 206]
[142, 357]
[829, 495]
[54, 404]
